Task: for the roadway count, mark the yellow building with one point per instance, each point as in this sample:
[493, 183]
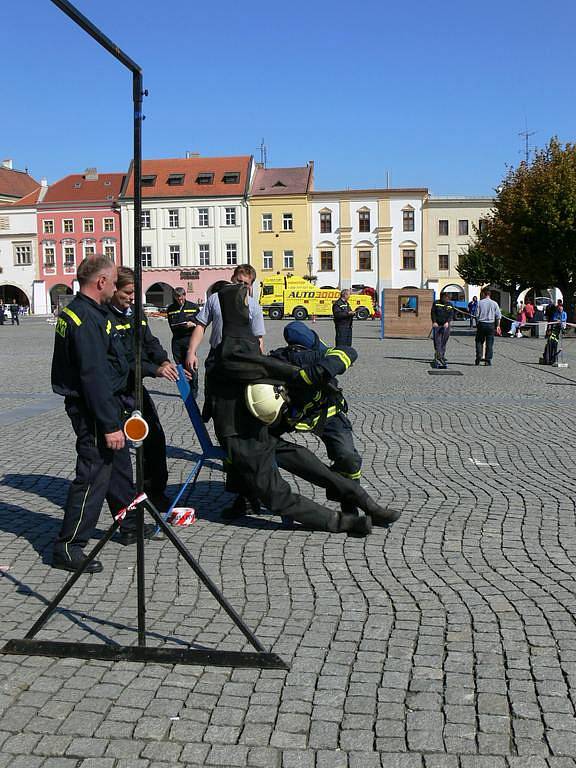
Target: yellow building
[279, 216]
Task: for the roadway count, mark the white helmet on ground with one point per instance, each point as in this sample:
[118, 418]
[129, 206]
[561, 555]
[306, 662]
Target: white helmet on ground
[265, 401]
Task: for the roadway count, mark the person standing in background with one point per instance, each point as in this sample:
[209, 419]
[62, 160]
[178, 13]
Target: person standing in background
[343, 317]
[182, 321]
[488, 324]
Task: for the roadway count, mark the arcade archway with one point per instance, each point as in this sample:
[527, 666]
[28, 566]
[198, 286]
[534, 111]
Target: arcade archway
[159, 294]
[11, 294]
[59, 294]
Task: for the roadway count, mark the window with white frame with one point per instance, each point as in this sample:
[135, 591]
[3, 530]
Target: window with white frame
[145, 220]
[69, 256]
[288, 259]
[364, 261]
[109, 224]
[174, 255]
[67, 225]
[364, 220]
[462, 227]
[408, 220]
[173, 218]
[287, 222]
[22, 254]
[146, 255]
[88, 225]
[48, 226]
[266, 222]
[231, 253]
[230, 217]
[49, 256]
[203, 217]
[267, 260]
[204, 254]
[408, 258]
[325, 221]
[326, 261]
[443, 227]
[89, 250]
[110, 252]
[443, 261]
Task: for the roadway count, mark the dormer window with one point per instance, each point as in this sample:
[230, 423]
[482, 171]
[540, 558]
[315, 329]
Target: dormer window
[77, 184]
[205, 178]
[107, 183]
[232, 177]
[279, 184]
[176, 179]
[148, 181]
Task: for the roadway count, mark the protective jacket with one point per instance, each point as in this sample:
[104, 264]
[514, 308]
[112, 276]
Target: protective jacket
[341, 312]
[179, 315]
[153, 354]
[314, 392]
[442, 312]
[89, 362]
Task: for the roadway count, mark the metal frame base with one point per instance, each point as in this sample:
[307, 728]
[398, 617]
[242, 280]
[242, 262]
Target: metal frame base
[201, 657]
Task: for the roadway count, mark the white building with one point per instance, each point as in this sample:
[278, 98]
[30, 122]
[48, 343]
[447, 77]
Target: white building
[194, 223]
[371, 238]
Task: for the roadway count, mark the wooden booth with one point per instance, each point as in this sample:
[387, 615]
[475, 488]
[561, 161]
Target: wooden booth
[406, 312]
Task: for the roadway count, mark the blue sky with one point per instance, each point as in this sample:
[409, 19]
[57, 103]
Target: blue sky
[433, 93]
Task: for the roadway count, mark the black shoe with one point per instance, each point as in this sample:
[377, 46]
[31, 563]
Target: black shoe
[74, 562]
[380, 515]
[477, 361]
[355, 525]
[488, 362]
[130, 536]
[238, 509]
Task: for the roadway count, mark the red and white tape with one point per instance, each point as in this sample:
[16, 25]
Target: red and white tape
[182, 516]
[133, 504]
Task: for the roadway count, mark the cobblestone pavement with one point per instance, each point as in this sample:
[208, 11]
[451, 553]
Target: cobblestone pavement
[447, 641]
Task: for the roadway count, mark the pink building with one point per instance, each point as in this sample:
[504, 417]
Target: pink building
[78, 216]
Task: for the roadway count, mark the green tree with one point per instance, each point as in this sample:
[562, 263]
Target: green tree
[480, 265]
[531, 232]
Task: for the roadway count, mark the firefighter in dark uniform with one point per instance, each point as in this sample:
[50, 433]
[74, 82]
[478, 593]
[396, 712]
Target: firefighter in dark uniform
[155, 363]
[442, 314]
[181, 315]
[343, 318]
[90, 369]
[325, 416]
[254, 454]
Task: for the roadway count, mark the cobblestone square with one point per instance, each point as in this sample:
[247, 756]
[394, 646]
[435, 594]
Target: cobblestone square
[446, 641]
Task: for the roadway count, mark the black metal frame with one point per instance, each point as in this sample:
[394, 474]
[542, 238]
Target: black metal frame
[28, 645]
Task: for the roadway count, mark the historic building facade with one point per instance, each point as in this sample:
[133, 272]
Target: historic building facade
[194, 223]
[78, 216]
[280, 220]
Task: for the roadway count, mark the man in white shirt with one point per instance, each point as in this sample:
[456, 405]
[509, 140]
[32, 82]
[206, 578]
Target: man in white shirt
[487, 324]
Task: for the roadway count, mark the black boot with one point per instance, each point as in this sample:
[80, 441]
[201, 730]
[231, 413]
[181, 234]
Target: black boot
[354, 525]
[380, 515]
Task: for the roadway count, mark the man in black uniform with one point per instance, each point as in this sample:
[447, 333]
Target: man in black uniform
[254, 454]
[442, 314]
[324, 415]
[90, 369]
[155, 363]
[343, 317]
[181, 314]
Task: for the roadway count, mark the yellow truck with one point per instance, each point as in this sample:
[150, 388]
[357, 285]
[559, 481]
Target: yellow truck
[296, 297]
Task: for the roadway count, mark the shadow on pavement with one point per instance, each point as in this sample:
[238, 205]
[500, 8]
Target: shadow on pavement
[49, 487]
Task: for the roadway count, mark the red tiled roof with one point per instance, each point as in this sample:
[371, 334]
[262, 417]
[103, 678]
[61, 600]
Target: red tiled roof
[16, 183]
[281, 181]
[28, 200]
[191, 168]
[75, 188]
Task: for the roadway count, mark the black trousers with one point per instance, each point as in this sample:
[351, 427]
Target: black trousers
[101, 474]
[343, 335]
[154, 447]
[15, 319]
[179, 352]
[485, 333]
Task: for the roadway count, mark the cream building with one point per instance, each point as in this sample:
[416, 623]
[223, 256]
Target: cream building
[450, 226]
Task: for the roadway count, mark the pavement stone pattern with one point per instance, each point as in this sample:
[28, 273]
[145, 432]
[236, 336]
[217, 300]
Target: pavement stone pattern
[447, 641]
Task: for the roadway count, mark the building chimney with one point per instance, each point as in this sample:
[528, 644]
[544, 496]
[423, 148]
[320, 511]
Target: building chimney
[7, 164]
[191, 154]
[91, 174]
[43, 181]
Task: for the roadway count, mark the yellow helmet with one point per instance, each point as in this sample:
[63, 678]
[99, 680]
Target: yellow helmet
[266, 401]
